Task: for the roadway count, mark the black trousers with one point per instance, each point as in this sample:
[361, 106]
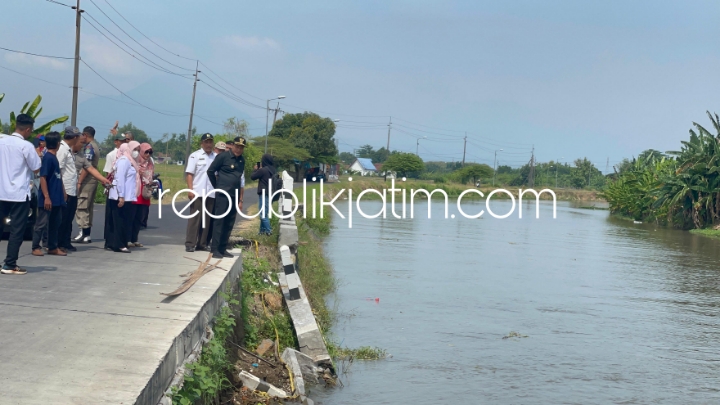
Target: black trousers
[196, 235]
[18, 214]
[48, 221]
[136, 213]
[119, 222]
[68, 214]
[223, 226]
[146, 214]
[107, 231]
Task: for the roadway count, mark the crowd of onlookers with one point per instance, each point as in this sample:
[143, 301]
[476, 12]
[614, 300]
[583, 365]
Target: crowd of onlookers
[61, 169]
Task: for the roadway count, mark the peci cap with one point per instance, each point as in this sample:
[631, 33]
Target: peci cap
[206, 136]
[120, 137]
[71, 132]
[24, 119]
[239, 141]
[221, 145]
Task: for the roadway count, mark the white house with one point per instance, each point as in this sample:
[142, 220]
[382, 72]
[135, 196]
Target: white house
[364, 166]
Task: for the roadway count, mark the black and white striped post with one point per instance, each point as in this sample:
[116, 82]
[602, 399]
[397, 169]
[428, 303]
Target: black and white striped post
[293, 281]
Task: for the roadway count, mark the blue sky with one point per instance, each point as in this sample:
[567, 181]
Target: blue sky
[573, 78]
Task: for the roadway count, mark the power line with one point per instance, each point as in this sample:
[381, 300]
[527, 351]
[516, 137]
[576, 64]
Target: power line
[233, 97]
[143, 46]
[246, 102]
[141, 33]
[33, 77]
[35, 54]
[121, 92]
[59, 3]
[230, 84]
[150, 64]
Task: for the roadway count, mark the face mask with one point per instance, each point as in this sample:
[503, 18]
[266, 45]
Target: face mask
[135, 154]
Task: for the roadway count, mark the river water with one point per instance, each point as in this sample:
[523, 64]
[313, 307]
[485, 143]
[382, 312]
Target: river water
[614, 312]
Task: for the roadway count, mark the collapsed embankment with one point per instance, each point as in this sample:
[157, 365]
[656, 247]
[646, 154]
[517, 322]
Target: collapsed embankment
[265, 333]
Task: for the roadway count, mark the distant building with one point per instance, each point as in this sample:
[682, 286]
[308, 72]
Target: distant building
[364, 166]
[381, 172]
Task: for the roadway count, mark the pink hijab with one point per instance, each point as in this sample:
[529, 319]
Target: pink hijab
[147, 168]
[126, 150]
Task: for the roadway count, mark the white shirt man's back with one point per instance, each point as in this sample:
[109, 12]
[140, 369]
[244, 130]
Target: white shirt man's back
[110, 161]
[18, 161]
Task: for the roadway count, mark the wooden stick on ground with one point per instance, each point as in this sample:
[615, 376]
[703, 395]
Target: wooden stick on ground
[194, 277]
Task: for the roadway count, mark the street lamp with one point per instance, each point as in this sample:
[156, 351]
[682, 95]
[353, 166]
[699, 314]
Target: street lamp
[557, 164]
[267, 113]
[417, 145]
[548, 174]
[495, 165]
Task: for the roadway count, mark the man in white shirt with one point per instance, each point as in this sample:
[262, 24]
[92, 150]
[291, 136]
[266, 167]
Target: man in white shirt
[68, 170]
[110, 158]
[18, 161]
[109, 163]
[197, 180]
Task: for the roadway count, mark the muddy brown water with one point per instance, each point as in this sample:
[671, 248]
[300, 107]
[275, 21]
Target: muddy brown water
[614, 312]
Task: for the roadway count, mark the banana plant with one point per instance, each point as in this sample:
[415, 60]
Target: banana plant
[31, 109]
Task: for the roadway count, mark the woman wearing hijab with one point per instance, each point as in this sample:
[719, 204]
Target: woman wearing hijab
[141, 206]
[123, 193]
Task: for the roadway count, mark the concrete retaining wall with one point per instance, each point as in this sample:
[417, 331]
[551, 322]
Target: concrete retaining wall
[189, 340]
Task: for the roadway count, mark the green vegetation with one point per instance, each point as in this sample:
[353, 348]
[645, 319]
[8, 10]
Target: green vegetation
[361, 353]
[32, 109]
[712, 233]
[681, 190]
[208, 376]
[403, 163]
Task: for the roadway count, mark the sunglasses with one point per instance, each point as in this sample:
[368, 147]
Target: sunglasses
[148, 152]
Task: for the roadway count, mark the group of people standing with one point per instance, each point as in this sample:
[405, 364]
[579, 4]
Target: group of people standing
[64, 172]
[215, 172]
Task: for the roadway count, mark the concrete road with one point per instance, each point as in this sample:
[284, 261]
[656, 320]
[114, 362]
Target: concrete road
[93, 327]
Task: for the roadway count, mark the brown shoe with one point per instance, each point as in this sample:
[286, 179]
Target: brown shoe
[37, 252]
[57, 252]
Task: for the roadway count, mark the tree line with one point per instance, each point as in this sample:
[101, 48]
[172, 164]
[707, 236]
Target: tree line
[678, 188]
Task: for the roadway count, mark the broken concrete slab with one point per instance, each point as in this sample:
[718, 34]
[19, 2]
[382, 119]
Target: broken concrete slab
[310, 339]
[255, 383]
[305, 364]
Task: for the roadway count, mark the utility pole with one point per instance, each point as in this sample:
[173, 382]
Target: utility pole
[607, 166]
[388, 146]
[464, 149]
[531, 177]
[192, 111]
[76, 78]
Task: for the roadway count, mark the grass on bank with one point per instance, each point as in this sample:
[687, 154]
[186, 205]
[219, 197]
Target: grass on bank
[709, 232]
[453, 190]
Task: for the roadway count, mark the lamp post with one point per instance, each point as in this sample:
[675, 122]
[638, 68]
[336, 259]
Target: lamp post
[557, 166]
[417, 145]
[548, 174]
[267, 112]
[495, 165]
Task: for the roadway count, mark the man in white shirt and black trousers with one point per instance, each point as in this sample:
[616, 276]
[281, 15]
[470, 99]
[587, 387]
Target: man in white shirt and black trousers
[18, 161]
[197, 179]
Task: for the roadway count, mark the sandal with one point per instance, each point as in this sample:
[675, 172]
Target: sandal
[17, 270]
[138, 244]
[122, 250]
